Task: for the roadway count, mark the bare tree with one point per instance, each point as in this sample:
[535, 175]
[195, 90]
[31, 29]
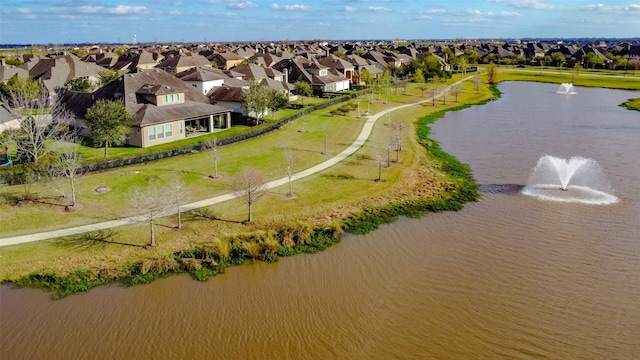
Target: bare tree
[39, 123]
[325, 137]
[69, 165]
[149, 204]
[434, 87]
[289, 158]
[398, 137]
[213, 145]
[456, 90]
[476, 82]
[379, 159]
[177, 189]
[250, 186]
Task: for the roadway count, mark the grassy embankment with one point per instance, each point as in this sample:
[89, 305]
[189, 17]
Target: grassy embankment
[583, 77]
[342, 198]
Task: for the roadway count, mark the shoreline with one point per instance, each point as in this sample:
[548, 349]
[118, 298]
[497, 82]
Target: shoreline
[209, 259]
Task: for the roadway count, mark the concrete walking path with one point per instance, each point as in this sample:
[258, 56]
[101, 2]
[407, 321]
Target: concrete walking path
[355, 146]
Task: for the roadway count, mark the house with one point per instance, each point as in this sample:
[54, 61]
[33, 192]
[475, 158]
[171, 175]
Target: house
[226, 60]
[313, 73]
[9, 119]
[178, 63]
[203, 78]
[165, 108]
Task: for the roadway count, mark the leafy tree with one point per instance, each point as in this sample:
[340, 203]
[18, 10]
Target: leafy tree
[255, 101]
[558, 58]
[250, 186]
[366, 77]
[13, 62]
[492, 73]
[463, 64]
[340, 54]
[303, 89]
[418, 76]
[593, 60]
[109, 122]
[21, 91]
[107, 76]
[277, 101]
[78, 84]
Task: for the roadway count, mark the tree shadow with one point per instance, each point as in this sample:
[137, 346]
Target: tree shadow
[205, 214]
[92, 240]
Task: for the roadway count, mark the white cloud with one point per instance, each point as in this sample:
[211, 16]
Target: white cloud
[297, 7]
[378, 8]
[125, 10]
[612, 8]
[241, 5]
[275, 6]
[90, 9]
[350, 9]
[175, 12]
[526, 4]
[24, 10]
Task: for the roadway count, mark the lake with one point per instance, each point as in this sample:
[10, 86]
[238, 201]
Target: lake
[510, 276]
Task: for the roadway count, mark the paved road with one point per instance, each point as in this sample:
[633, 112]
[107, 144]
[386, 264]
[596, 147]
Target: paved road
[357, 144]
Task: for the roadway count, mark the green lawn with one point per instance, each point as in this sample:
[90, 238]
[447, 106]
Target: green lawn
[318, 199]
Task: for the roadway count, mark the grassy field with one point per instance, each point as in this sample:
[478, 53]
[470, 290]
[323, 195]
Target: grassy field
[320, 199]
[581, 78]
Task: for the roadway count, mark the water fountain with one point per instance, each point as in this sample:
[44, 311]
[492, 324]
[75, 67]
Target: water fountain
[577, 179]
[567, 89]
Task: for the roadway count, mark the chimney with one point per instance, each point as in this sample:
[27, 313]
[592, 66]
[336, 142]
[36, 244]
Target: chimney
[286, 75]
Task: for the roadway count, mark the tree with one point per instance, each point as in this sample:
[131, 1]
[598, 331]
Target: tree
[476, 82]
[492, 73]
[78, 84]
[418, 76]
[302, 89]
[434, 87]
[249, 185]
[150, 204]
[109, 122]
[277, 101]
[398, 138]
[40, 124]
[463, 64]
[177, 188]
[289, 158]
[69, 165]
[456, 90]
[379, 159]
[107, 76]
[213, 145]
[593, 60]
[21, 91]
[366, 77]
[558, 58]
[255, 101]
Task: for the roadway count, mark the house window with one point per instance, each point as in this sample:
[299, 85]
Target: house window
[168, 131]
[171, 98]
[152, 133]
[181, 128]
[160, 131]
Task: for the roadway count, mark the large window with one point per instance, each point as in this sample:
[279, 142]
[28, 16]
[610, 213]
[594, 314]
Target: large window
[181, 128]
[168, 131]
[171, 98]
[152, 133]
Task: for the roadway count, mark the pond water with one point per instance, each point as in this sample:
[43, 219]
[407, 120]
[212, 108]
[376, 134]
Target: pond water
[510, 276]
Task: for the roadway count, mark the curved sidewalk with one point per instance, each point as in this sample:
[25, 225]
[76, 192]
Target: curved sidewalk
[357, 144]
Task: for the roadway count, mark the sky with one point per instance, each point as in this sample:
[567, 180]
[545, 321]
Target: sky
[117, 21]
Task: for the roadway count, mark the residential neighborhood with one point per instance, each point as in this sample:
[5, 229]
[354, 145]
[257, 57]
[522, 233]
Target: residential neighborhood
[180, 90]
